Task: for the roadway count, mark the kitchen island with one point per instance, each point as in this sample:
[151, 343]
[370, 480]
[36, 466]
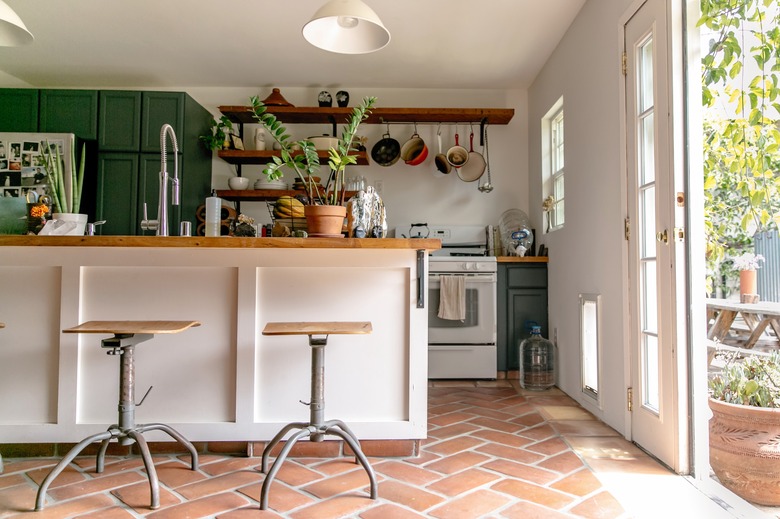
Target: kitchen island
[222, 381]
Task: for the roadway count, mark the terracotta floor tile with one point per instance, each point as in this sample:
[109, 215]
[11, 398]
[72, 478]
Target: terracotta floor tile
[407, 495]
[487, 404]
[336, 466]
[511, 440]
[532, 511]
[24, 465]
[220, 484]
[639, 465]
[339, 506]
[457, 462]
[615, 448]
[549, 447]
[231, 465]
[445, 408]
[583, 428]
[139, 496]
[449, 418]
[389, 511]
[12, 480]
[407, 473]
[19, 498]
[559, 400]
[423, 458]
[564, 463]
[357, 480]
[565, 412]
[492, 413]
[176, 474]
[248, 512]
[540, 432]
[92, 486]
[463, 482]
[581, 483]
[449, 447]
[601, 506]
[522, 471]
[294, 474]
[510, 453]
[281, 498]
[499, 425]
[450, 431]
[204, 507]
[109, 513]
[533, 493]
[68, 476]
[73, 508]
[475, 504]
[529, 419]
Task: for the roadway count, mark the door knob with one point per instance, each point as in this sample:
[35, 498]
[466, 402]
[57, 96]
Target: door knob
[662, 236]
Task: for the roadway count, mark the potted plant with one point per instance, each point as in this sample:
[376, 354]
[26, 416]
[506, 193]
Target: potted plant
[219, 136]
[65, 189]
[301, 157]
[745, 427]
[747, 264]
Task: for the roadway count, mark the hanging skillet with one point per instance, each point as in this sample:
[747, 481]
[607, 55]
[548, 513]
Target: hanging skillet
[387, 150]
[474, 166]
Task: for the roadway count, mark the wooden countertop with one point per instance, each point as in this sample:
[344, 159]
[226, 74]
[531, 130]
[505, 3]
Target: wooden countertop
[525, 259]
[218, 242]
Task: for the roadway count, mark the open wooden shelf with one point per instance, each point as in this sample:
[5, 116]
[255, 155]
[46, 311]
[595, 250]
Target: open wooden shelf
[336, 115]
[265, 156]
[263, 195]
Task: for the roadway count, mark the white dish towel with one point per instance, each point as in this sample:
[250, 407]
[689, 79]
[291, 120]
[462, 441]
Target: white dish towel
[452, 298]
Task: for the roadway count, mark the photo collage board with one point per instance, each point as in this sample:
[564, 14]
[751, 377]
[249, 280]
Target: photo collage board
[22, 166]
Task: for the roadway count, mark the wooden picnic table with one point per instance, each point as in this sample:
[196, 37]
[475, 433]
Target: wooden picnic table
[759, 317]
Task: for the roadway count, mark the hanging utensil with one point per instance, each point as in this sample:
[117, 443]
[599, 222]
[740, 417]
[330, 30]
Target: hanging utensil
[441, 159]
[387, 150]
[488, 187]
[475, 165]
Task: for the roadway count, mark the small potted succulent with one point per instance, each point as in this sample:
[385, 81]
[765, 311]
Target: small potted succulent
[301, 157]
[745, 426]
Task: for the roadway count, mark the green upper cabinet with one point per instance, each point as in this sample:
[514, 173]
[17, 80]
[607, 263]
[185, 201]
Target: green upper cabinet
[119, 121]
[160, 108]
[69, 111]
[18, 110]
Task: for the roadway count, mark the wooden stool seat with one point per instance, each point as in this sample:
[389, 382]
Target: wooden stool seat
[316, 428]
[127, 334]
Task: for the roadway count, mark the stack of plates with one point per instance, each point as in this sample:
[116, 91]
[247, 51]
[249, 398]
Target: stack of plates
[270, 184]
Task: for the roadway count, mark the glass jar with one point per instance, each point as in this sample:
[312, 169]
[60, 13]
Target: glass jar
[537, 362]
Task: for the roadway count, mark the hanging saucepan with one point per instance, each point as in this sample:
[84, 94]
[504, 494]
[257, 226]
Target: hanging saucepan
[457, 155]
[387, 151]
[475, 166]
[414, 151]
[441, 159]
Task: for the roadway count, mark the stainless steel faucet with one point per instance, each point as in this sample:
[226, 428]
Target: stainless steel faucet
[161, 223]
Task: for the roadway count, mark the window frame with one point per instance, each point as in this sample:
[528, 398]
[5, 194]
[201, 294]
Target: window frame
[553, 165]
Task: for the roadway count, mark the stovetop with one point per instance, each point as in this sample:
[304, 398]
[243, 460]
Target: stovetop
[464, 242]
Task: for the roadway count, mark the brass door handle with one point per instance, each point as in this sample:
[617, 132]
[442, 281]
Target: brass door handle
[662, 236]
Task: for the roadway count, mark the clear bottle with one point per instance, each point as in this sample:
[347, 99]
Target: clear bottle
[537, 362]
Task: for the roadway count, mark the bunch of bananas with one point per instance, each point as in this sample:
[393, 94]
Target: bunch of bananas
[288, 207]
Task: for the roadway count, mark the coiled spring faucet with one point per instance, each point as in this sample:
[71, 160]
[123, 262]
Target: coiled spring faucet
[161, 223]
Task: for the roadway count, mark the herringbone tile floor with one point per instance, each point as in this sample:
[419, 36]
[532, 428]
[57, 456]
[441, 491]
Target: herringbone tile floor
[493, 451]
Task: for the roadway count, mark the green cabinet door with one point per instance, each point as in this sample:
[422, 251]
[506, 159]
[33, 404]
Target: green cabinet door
[19, 110]
[117, 188]
[522, 300]
[119, 121]
[69, 111]
[161, 108]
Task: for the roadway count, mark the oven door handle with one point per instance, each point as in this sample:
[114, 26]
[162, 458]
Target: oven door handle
[470, 278]
[421, 278]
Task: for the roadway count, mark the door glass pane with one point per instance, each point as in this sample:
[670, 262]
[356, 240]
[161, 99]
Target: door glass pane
[646, 75]
[647, 223]
[647, 149]
[650, 289]
[650, 374]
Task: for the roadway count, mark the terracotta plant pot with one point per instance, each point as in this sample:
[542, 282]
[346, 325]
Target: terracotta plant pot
[748, 286]
[745, 452]
[325, 221]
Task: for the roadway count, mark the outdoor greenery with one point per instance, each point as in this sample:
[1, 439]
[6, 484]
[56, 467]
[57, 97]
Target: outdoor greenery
[753, 381]
[741, 98]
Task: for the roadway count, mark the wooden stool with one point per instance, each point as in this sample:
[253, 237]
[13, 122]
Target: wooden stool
[316, 427]
[126, 335]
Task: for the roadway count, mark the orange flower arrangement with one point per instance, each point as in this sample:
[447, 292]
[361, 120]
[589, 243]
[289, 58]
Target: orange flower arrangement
[39, 211]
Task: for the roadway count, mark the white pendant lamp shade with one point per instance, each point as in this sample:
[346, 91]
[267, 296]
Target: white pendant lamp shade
[346, 27]
[12, 29]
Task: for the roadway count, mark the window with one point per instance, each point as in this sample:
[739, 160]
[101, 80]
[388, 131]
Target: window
[553, 166]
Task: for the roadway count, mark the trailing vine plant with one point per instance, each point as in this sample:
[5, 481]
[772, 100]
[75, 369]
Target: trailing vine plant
[741, 99]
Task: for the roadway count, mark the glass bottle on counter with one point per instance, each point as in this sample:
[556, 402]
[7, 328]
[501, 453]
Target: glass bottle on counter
[537, 362]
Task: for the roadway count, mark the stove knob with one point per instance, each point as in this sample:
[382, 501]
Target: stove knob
[465, 266]
[475, 266]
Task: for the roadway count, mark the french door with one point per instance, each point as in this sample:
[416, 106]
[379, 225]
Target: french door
[653, 242]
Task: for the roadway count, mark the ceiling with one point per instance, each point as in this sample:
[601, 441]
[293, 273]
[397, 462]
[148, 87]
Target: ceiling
[453, 44]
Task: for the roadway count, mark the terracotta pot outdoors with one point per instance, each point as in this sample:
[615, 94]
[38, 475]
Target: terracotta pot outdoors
[325, 221]
[748, 286]
[744, 451]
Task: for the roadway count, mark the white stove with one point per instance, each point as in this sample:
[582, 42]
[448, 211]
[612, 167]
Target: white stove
[459, 349]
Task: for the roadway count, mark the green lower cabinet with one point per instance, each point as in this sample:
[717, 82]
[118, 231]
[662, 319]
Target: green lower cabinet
[117, 193]
[149, 192]
[522, 300]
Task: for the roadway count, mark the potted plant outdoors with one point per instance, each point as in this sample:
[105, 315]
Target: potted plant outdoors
[747, 264]
[65, 186]
[745, 427]
[301, 157]
[219, 137]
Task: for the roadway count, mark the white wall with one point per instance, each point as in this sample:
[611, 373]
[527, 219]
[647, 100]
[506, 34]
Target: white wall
[586, 255]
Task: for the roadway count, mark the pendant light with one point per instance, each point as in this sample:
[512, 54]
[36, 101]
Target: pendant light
[346, 27]
[12, 29]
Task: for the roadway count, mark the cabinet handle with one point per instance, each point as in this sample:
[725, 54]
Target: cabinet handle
[420, 279]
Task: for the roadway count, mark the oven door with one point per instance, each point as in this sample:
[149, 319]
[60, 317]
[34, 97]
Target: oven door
[479, 327]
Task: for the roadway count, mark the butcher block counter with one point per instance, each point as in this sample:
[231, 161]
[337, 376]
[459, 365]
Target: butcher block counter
[224, 380]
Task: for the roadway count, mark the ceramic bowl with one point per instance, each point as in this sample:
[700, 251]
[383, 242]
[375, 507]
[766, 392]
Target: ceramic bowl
[238, 183]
